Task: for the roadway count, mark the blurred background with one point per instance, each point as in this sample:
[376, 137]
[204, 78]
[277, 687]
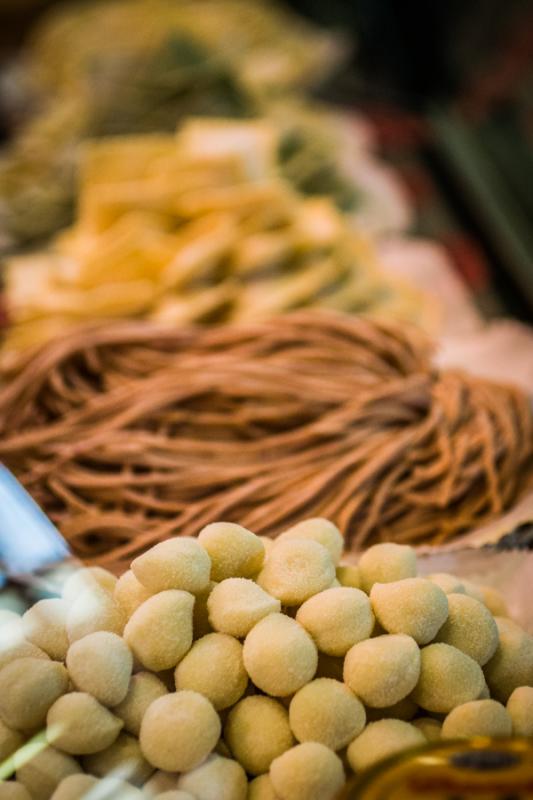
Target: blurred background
[448, 89]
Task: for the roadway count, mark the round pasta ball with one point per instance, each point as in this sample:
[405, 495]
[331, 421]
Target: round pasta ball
[93, 610]
[179, 731]
[431, 728]
[179, 563]
[308, 771]
[200, 615]
[279, 655]
[448, 583]
[477, 718]
[448, 678]
[326, 711]
[14, 645]
[295, 570]
[268, 543]
[257, 731]
[511, 665]
[348, 575]
[129, 593]
[320, 530]
[74, 787]
[159, 632]
[470, 627]
[337, 619]
[217, 778]
[122, 759]
[235, 552]
[28, 687]
[44, 624]
[101, 664]
[143, 689]
[87, 579]
[382, 739]
[385, 563]
[237, 604]
[494, 601]
[414, 606]
[79, 725]
[44, 772]
[214, 667]
[520, 708]
[261, 789]
[384, 670]
[10, 741]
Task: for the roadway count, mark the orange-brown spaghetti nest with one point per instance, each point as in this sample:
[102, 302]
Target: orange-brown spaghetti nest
[129, 432]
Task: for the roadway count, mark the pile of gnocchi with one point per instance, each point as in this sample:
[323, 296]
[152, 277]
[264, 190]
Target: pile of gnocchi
[234, 667]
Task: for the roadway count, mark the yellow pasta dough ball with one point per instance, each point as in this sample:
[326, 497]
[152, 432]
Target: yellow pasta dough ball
[448, 583]
[159, 632]
[179, 731]
[44, 624]
[348, 575]
[235, 552]
[477, 718]
[129, 593]
[494, 601]
[385, 563]
[381, 740]
[268, 543]
[214, 667]
[261, 789]
[308, 771]
[414, 606]
[257, 731]
[12, 790]
[79, 725]
[237, 604]
[28, 687]
[44, 772]
[448, 678]
[88, 579]
[470, 627]
[520, 708]
[383, 670]
[143, 689]
[14, 645]
[10, 740]
[93, 610]
[122, 759]
[511, 665]
[101, 664]
[320, 530]
[217, 778]
[431, 728]
[295, 570]
[279, 655]
[326, 711]
[179, 563]
[337, 619]
[74, 787]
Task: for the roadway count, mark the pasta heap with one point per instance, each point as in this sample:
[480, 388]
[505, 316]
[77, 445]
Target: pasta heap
[131, 432]
[198, 227]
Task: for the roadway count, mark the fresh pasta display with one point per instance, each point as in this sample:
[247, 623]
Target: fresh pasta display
[253, 713]
[130, 432]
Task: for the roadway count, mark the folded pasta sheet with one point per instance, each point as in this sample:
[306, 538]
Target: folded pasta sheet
[199, 227]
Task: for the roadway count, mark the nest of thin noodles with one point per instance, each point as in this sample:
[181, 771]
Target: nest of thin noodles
[130, 432]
